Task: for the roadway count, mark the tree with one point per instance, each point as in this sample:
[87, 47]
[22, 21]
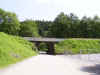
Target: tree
[89, 27]
[96, 27]
[64, 26]
[59, 27]
[29, 28]
[74, 22]
[43, 27]
[9, 22]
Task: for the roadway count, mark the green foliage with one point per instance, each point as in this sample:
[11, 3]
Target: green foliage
[89, 27]
[14, 49]
[43, 47]
[59, 25]
[9, 22]
[69, 26]
[64, 26]
[75, 45]
[44, 27]
[29, 28]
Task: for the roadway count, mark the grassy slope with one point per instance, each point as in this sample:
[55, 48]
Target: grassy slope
[75, 45]
[13, 49]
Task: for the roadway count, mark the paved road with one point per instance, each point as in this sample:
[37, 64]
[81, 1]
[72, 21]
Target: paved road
[45, 65]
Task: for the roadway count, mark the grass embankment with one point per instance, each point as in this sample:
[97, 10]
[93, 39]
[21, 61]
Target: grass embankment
[75, 45]
[14, 49]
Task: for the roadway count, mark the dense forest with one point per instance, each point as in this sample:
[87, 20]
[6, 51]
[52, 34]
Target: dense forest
[63, 26]
[70, 26]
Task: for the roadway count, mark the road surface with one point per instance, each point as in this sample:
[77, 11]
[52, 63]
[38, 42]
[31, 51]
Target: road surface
[46, 65]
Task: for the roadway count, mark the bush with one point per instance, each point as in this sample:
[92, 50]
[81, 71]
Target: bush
[14, 49]
[74, 46]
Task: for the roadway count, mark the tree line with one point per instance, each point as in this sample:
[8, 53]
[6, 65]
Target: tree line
[70, 26]
[63, 26]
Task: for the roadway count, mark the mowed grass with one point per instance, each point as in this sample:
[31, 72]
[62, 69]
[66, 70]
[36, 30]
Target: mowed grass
[14, 49]
[75, 45]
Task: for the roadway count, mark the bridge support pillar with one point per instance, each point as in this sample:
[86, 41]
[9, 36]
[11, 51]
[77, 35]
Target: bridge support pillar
[51, 49]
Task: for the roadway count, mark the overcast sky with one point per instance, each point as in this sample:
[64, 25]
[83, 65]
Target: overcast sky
[49, 9]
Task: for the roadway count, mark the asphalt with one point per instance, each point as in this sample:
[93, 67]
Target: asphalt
[48, 65]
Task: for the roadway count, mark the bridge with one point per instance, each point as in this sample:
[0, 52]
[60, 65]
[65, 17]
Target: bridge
[49, 41]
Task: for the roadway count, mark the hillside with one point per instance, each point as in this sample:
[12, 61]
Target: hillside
[14, 49]
[75, 45]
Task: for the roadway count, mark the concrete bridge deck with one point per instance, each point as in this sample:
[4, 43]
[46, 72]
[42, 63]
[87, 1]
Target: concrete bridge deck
[49, 41]
[34, 39]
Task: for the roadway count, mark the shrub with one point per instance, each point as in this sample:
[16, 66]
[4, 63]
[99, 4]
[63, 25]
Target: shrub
[74, 45]
[14, 49]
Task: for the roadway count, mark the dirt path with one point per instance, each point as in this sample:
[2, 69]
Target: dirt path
[46, 65]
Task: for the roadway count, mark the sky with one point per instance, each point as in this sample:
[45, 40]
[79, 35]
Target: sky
[49, 9]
